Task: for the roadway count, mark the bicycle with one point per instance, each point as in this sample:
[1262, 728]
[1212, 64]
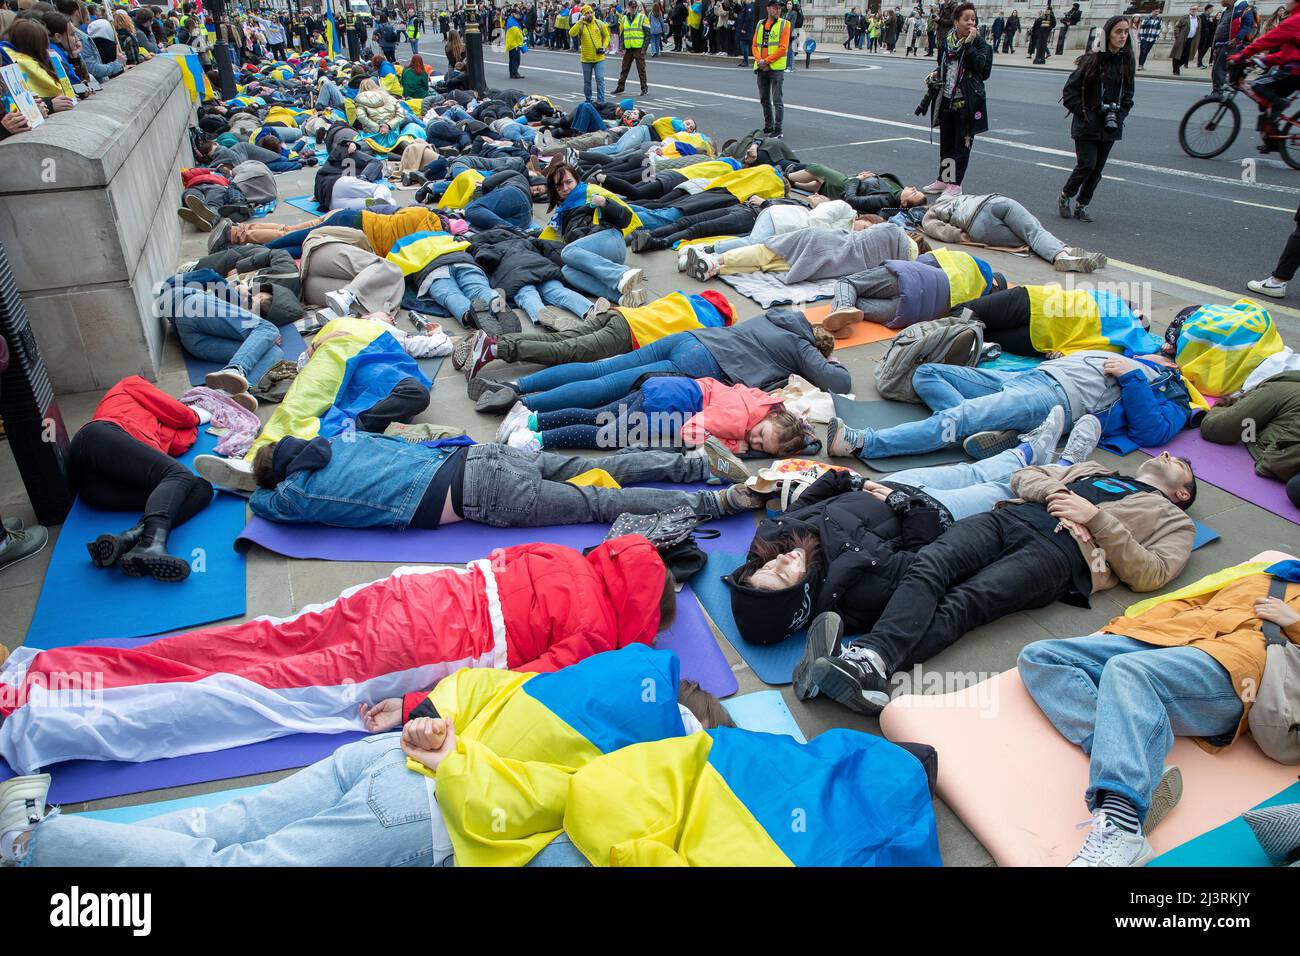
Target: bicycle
[1212, 123]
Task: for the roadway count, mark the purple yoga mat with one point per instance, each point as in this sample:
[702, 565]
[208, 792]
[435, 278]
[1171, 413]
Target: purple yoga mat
[1231, 468]
[78, 781]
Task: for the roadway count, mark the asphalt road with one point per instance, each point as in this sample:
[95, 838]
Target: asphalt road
[1158, 208]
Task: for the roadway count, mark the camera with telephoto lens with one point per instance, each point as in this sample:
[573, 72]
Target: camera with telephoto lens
[1110, 117]
[931, 91]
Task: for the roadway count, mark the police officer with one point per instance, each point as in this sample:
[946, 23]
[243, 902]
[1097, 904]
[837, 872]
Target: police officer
[633, 31]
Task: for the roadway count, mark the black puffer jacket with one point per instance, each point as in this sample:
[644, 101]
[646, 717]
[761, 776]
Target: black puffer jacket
[874, 193]
[513, 260]
[867, 545]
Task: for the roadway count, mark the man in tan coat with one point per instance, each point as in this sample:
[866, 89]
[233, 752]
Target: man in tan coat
[1185, 38]
[1073, 530]
[1188, 665]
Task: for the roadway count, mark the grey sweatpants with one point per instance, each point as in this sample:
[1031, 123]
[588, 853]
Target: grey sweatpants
[1004, 222]
[874, 291]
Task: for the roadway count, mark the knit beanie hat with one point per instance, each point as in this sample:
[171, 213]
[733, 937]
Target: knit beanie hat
[769, 617]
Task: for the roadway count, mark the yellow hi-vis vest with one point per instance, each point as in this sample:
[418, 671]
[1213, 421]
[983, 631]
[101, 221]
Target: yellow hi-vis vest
[768, 42]
[634, 31]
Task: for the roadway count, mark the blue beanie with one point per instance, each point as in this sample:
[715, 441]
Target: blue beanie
[626, 104]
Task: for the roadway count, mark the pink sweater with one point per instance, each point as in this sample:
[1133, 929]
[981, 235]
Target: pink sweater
[729, 412]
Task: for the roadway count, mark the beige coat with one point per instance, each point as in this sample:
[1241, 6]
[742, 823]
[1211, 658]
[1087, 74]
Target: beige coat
[332, 259]
[1143, 540]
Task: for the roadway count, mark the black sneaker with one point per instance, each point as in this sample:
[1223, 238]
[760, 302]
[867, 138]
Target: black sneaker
[1063, 207]
[1081, 214]
[824, 635]
[852, 680]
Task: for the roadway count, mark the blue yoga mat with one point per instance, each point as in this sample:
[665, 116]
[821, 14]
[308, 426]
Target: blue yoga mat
[80, 602]
[1232, 844]
[1203, 536]
[147, 811]
[292, 345]
[306, 204]
[764, 711]
[1006, 362]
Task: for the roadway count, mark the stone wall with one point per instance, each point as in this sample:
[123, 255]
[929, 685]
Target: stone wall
[88, 218]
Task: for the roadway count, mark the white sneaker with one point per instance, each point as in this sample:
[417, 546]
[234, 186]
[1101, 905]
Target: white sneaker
[526, 441]
[682, 259]
[1269, 287]
[702, 266]
[341, 301]
[228, 474]
[1108, 845]
[515, 419]
[22, 806]
[629, 279]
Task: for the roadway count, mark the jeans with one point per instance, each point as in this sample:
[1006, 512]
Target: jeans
[455, 292]
[357, 807]
[1144, 50]
[517, 133]
[506, 208]
[1090, 160]
[215, 329]
[592, 384]
[292, 242]
[508, 488]
[966, 488]
[966, 401]
[552, 292]
[596, 70]
[769, 93]
[594, 263]
[455, 114]
[631, 139]
[1123, 702]
[656, 218]
[1004, 222]
[330, 96]
[764, 228]
[656, 43]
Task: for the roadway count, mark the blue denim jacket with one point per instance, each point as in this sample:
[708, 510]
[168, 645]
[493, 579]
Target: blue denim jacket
[371, 481]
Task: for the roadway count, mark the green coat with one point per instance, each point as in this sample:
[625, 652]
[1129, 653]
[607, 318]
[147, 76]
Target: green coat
[1271, 413]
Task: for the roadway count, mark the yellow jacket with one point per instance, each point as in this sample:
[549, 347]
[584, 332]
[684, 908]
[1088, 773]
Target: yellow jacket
[594, 36]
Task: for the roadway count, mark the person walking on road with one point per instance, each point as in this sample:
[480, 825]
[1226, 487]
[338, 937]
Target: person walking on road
[771, 49]
[1275, 285]
[1099, 96]
[633, 27]
[959, 108]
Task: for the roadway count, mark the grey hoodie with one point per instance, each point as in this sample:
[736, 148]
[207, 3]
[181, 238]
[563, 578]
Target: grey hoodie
[829, 254]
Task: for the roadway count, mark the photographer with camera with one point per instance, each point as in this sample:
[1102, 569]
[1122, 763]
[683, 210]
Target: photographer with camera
[955, 97]
[593, 40]
[1099, 94]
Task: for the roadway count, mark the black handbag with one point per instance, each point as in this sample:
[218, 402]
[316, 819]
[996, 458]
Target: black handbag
[674, 534]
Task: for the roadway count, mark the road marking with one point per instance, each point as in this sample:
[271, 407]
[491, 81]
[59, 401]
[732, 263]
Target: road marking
[863, 142]
[915, 127]
[1260, 205]
[1067, 169]
[1198, 286]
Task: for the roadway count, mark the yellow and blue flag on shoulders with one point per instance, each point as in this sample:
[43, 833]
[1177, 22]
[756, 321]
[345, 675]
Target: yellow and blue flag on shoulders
[1075, 320]
[1220, 345]
[413, 252]
[581, 196]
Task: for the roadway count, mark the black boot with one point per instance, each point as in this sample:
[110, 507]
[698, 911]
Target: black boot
[107, 549]
[150, 558]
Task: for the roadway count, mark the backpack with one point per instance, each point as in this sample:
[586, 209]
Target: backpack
[1275, 715]
[256, 182]
[673, 533]
[921, 343]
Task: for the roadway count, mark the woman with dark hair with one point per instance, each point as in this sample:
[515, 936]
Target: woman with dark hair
[30, 43]
[959, 107]
[65, 46]
[1099, 95]
[144, 30]
[454, 49]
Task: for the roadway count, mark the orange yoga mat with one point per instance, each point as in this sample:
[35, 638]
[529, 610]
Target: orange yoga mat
[863, 332]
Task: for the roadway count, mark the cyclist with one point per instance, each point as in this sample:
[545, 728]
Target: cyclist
[1279, 51]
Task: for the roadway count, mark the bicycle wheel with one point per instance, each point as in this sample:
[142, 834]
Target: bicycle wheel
[1209, 127]
[1288, 146]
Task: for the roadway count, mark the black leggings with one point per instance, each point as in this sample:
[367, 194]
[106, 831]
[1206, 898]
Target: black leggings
[114, 472]
[1090, 160]
[407, 399]
[1006, 317]
[954, 154]
[639, 191]
[737, 221]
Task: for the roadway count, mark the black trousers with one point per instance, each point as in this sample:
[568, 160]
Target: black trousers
[1090, 160]
[1290, 259]
[737, 221]
[954, 154]
[641, 191]
[114, 472]
[1006, 316]
[981, 569]
[407, 399]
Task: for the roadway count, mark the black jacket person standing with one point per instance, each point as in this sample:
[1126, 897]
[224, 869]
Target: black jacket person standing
[1099, 95]
[959, 107]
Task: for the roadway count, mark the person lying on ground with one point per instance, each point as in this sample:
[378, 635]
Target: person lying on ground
[810, 255]
[1266, 418]
[339, 272]
[371, 802]
[1071, 532]
[865, 192]
[1048, 321]
[832, 549]
[1186, 664]
[779, 217]
[124, 459]
[383, 229]
[670, 411]
[532, 607]
[762, 353]
[901, 292]
[364, 480]
[993, 220]
[528, 271]
[632, 184]
[1141, 401]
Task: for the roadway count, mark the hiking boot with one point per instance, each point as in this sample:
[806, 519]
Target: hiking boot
[723, 463]
[1165, 797]
[838, 321]
[108, 548]
[854, 678]
[843, 441]
[228, 474]
[1083, 440]
[150, 558]
[22, 544]
[1108, 845]
[823, 640]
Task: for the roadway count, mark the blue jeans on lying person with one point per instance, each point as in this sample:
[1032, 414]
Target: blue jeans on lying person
[517, 133]
[505, 208]
[455, 114]
[586, 118]
[631, 139]
[292, 241]
[595, 263]
[530, 298]
[966, 488]
[456, 291]
[360, 806]
[966, 401]
[212, 326]
[655, 218]
[592, 384]
[1123, 702]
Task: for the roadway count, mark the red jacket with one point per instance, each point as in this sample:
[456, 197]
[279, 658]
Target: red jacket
[149, 415]
[198, 176]
[1281, 44]
[728, 413]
